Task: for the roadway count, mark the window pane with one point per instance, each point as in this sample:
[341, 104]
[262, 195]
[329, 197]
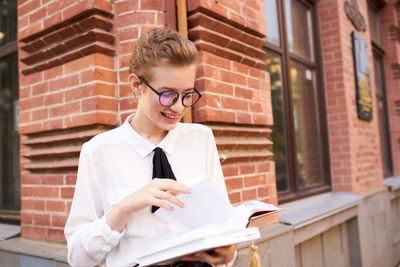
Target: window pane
[273, 62]
[9, 139]
[374, 25]
[305, 125]
[8, 21]
[386, 154]
[271, 11]
[299, 24]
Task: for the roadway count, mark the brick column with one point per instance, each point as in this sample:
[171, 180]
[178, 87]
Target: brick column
[131, 19]
[390, 25]
[354, 143]
[73, 69]
[235, 86]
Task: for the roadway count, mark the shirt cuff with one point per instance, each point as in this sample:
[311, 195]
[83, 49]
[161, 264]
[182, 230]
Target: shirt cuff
[100, 239]
[111, 237]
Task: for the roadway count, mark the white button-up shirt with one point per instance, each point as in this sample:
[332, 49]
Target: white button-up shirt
[119, 162]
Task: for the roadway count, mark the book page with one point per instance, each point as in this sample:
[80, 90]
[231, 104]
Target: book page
[208, 231]
[207, 220]
[255, 207]
[205, 205]
[164, 254]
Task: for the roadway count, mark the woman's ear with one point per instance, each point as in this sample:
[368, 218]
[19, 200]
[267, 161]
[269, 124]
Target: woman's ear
[135, 82]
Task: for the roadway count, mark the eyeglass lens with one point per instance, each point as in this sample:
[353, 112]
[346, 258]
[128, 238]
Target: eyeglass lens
[170, 97]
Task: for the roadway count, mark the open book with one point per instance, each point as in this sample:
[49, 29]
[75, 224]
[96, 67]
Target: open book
[207, 221]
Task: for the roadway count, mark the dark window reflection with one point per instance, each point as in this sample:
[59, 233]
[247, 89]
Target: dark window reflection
[279, 147]
[9, 139]
[271, 12]
[386, 153]
[307, 135]
[299, 29]
[374, 25]
[8, 21]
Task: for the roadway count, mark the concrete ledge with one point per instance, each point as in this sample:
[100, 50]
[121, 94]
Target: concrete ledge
[56, 252]
[393, 183]
[268, 234]
[306, 211]
[275, 248]
[311, 230]
[8, 231]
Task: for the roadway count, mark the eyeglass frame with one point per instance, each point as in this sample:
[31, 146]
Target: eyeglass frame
[175, 99]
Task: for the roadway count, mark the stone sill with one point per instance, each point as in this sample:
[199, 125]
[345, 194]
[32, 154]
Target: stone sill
[51, 251]
[393, 183]
[309, 210]
[268, 234]
[8, 231]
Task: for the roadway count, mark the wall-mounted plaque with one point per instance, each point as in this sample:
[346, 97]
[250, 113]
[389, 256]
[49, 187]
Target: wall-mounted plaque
[361, 72]
[354, 15]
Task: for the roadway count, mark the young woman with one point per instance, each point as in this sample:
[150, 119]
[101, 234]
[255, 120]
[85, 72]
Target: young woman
[119, 185]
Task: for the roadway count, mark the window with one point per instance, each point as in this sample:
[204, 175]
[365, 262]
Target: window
[380, 90]
[300, 145]
[9, 138]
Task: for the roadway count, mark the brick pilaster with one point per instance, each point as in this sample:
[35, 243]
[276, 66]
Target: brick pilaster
[73, 69]
[236, 89]
[354, 143]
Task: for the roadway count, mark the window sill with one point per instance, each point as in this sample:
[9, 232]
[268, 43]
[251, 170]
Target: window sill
[39, 249]
[8, 231]
[312, 216]
[393, 183]
[268, 233]
[306, 211]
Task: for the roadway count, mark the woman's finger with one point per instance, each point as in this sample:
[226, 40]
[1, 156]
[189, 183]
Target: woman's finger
[171, 185]
[162, 204]
[191, 258]
[169, 197]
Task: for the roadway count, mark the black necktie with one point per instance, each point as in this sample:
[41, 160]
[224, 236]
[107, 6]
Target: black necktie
[161, 168]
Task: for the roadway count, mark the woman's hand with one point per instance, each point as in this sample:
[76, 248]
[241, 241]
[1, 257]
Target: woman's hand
[158, 192]
[221, 255]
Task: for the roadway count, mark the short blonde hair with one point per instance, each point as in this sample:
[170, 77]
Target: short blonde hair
[161, 46]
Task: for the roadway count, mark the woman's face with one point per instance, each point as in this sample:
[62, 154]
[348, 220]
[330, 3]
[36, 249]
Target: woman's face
[165, 77]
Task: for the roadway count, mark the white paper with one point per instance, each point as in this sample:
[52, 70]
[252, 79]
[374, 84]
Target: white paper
[208, 220]
[200, 244]
[205, 205]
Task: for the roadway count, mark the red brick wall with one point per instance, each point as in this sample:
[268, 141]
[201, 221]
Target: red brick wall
[354, 143]
[132, 18]
[67, 94]
[74, 58]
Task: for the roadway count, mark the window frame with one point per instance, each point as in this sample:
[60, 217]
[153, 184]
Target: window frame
[378, 51]
[295, 192]
[11, 216]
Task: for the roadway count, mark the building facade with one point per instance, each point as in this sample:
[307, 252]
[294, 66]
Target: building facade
[303, 97]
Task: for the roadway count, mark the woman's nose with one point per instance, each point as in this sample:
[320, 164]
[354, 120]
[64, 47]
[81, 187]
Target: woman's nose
[178, 107]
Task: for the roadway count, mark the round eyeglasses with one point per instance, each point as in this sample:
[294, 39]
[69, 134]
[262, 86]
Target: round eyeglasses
[169, 97]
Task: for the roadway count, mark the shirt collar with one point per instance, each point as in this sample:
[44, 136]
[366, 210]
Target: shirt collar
[142, 146]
